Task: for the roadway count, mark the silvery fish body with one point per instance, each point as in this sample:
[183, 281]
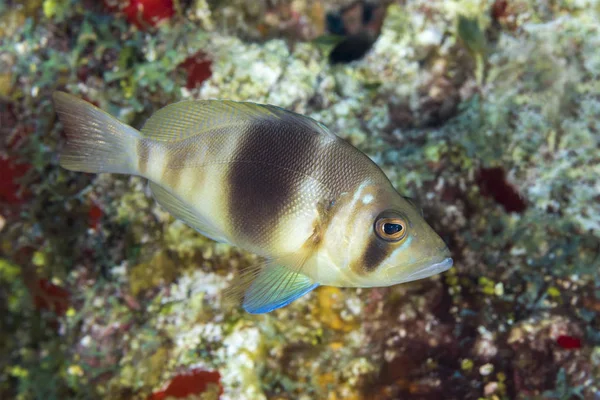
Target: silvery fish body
[270, 181]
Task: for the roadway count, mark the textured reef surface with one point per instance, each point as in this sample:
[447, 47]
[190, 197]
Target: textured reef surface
[486, 112]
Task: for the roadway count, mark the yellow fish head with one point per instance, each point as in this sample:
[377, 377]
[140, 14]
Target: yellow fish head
[378, 238]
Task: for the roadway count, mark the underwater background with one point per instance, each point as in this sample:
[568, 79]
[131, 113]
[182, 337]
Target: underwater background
[485, 112]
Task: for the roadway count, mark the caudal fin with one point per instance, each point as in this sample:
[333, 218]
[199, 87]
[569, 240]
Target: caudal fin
[96, 141]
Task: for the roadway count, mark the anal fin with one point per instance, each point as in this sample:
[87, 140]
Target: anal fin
[177, 207]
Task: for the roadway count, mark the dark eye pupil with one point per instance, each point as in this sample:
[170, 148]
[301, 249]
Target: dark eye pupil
[390, 229]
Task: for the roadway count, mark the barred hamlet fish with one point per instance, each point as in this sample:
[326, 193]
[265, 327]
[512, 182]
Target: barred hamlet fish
[270, 181]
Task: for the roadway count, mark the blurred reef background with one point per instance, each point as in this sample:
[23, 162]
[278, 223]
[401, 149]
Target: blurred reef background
[487, 112]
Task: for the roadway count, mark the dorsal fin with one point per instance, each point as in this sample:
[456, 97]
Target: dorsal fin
[185, 119]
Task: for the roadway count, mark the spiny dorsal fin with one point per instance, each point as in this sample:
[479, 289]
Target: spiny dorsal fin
[184, 119]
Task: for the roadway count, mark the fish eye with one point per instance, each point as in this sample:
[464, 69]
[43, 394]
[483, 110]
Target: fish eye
[390, 227]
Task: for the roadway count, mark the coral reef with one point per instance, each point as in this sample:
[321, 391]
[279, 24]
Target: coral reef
[486, 113]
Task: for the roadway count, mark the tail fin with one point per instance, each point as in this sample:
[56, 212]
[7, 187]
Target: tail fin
[96, 141]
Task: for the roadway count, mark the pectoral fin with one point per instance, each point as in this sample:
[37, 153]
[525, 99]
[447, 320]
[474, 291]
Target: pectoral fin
[276, 287]
[270, 285]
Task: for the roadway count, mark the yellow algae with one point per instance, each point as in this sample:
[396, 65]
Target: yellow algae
[50, 8]
[8, 271]
[487, 286]
[553, 291]
[11, 21]
[329, 305]
[75, 370]
[5, 84]
[160, 270]
[140, 369]
[156, 366]
[317, 15]
[6, 246]
[335, 346]
[30, 7]
[466, 365]
[130, 206]
[326, 379]
[186, 242]
[18, 371]
[38, 259]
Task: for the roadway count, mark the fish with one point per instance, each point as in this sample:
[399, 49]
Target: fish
[317, 210]
[358, 26]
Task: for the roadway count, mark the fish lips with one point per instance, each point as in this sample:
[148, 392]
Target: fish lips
[426, 271]
[433, 269]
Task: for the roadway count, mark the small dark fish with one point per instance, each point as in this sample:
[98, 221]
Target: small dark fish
[361, 24]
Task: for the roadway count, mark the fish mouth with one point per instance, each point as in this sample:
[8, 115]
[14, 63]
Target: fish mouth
[428, 271]
[433, 269]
